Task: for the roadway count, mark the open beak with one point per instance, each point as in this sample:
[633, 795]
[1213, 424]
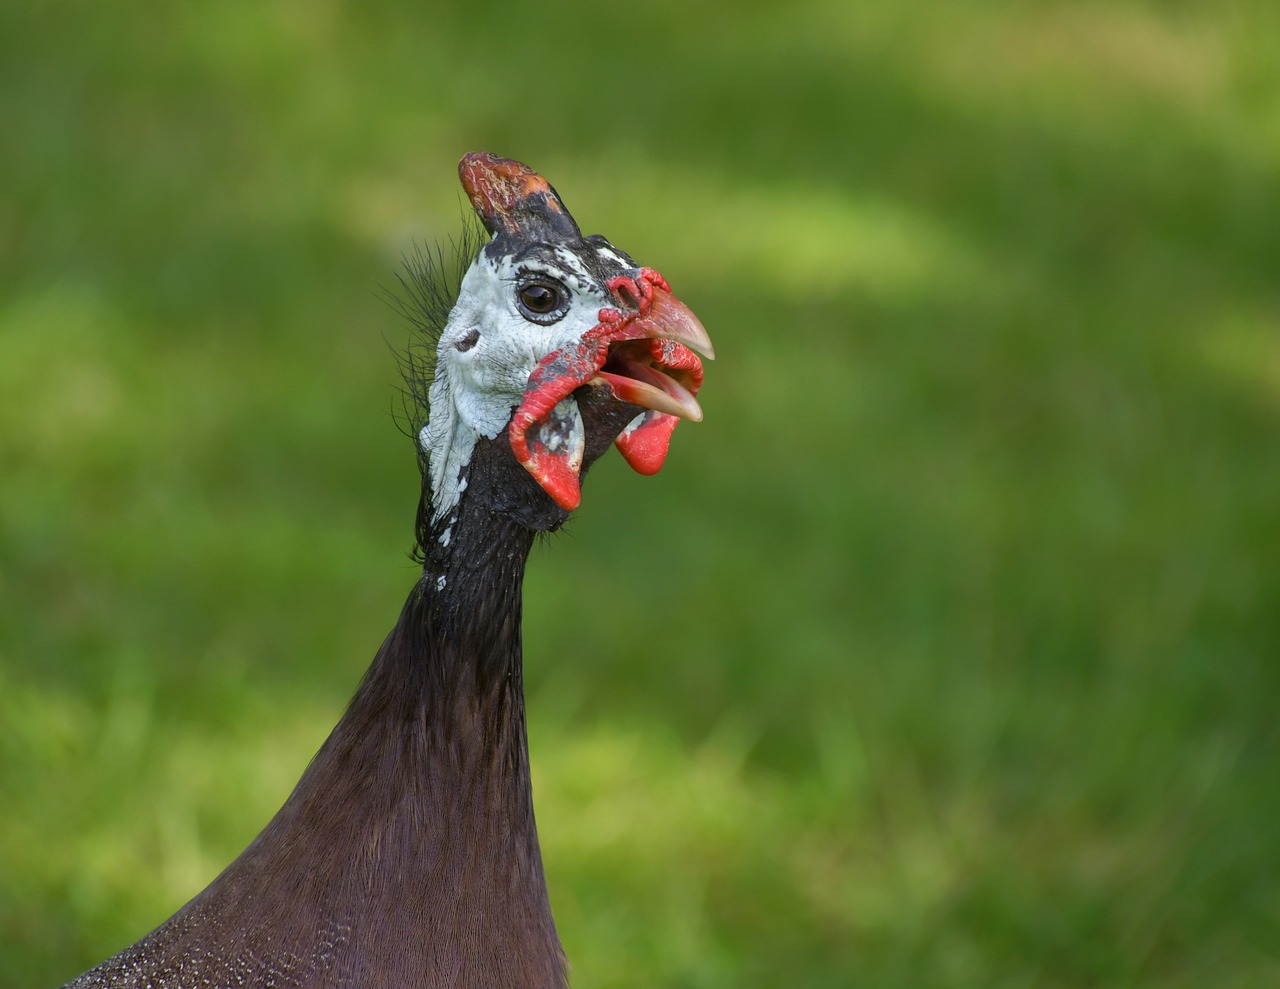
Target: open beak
[645, 358]
[645, 370]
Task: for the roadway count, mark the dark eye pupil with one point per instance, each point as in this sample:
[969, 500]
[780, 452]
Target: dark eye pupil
[538, 298]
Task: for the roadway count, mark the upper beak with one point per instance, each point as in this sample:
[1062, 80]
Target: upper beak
[668, 318]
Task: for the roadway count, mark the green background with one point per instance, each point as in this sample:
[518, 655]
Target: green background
[943, 653]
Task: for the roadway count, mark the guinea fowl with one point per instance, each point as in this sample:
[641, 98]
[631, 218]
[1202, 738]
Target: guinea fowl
[407, 853]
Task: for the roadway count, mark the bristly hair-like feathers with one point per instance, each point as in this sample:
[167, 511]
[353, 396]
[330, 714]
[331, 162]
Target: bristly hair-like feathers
[431, 280]
[430, 283]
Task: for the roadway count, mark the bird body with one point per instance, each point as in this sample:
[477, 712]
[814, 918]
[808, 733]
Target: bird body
[407, 854]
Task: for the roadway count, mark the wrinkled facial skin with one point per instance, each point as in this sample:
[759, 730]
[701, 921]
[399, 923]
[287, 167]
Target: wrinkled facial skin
[542, 314]
[489, 348]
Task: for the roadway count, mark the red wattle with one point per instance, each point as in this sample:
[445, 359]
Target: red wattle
[557, 479]
[644, 443]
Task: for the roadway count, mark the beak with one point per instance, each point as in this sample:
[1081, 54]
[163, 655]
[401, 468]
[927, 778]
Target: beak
[670, 319]
[644, 358]
[633, 373]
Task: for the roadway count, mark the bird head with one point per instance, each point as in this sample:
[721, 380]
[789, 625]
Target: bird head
[554, 336]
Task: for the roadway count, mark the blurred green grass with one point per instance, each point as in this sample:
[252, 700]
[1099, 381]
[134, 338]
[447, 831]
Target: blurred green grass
[943, 653]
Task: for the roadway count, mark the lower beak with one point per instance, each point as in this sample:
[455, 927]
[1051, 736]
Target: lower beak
[642, 385]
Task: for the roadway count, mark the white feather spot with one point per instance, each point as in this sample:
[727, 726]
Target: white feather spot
[573, 266]
[605, 252]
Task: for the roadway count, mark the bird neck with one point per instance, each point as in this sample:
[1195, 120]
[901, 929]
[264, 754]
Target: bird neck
[433, 750]
[412, 830]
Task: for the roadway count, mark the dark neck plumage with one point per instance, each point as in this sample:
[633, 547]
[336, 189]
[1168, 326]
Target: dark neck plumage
[407, 855]
[423, 787]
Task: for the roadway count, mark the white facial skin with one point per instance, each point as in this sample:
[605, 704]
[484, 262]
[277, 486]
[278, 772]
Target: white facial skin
[476, 387]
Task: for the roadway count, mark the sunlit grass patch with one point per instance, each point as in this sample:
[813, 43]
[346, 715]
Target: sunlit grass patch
[1244, 349]
[1081, 51]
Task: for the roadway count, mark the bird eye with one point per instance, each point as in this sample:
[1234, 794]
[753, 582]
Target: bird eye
[542, 300]
[538, 299]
